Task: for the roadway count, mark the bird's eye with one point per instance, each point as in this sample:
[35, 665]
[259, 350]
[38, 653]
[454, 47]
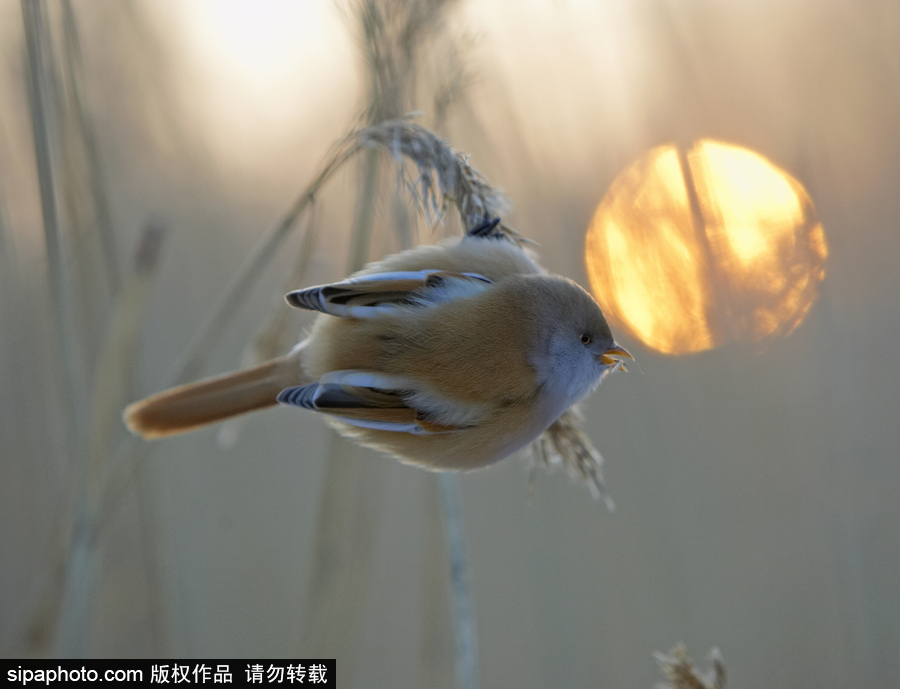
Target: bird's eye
[585, 339]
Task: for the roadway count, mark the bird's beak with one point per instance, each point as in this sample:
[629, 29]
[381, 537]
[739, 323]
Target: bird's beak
[614, 355]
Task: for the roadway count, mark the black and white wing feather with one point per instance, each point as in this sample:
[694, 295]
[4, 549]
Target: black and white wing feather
[368, 296]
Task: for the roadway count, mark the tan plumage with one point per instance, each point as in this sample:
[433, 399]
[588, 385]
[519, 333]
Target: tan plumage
[449, 356]
[194, 405]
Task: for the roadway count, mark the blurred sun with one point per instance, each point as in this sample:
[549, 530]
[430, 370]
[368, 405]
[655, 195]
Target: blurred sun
[258, 72]
[689, 250]
[259, 43]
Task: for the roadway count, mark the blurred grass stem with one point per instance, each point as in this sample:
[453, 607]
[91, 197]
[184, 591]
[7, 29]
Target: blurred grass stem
[362, 224]
[463, 617]
[103, 224]
[189, 365]
[351, 495]
[39, 96]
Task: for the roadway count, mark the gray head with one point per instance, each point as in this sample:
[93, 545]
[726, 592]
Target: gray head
[576, 348]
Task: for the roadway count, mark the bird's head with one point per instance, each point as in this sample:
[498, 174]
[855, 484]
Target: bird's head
[575, 347]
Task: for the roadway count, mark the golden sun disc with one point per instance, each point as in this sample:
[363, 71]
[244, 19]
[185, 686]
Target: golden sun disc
[689, 250]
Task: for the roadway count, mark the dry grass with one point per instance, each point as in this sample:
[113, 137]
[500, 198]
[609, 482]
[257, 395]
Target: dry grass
[444, 176]
[565, 444]
[681, 672]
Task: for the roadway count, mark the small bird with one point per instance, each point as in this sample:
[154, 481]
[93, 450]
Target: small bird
[450, 357]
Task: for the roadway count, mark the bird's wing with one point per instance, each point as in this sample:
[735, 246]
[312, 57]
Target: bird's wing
[378, 401]
[368, 296]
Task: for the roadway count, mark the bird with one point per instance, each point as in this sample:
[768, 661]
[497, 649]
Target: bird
[449, 356]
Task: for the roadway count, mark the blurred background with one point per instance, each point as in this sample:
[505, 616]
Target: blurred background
[147, 147]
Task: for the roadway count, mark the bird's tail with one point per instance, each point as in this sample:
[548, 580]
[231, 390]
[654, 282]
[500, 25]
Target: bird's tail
[214, 399]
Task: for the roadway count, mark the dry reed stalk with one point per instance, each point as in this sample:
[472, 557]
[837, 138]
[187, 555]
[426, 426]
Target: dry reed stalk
[111, 390]
[80, 566]
[438, 666]
[681, 672]
[131, 451]
[444, 178]
[96, 184]
[83, 278]
[461, 588]
[40, 105]
[350, 510]
[114, 376]
[275, 336]
[343, 554]
[191, 361]
[565, 445]
[395, 37]
[88, 273]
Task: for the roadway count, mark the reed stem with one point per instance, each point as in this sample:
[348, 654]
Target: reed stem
[463, 617]
[188, 366]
